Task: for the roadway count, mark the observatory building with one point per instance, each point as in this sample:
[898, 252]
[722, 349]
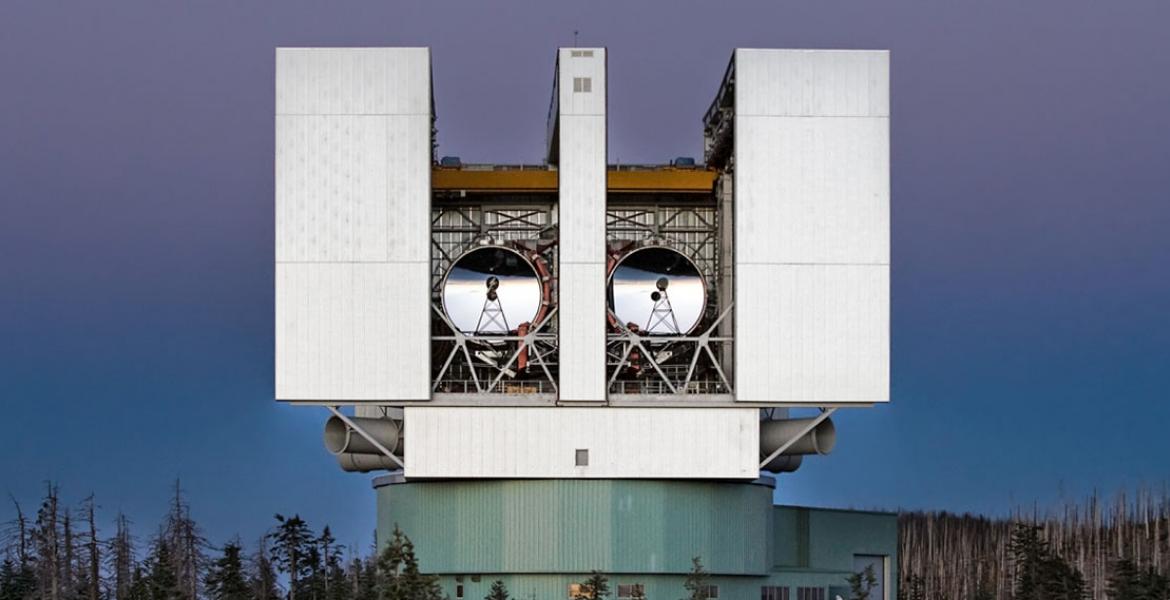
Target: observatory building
[576, 366]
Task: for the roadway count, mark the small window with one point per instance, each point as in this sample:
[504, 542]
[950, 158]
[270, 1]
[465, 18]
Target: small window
[629, 591]
[582, 457]
[810, 593]
[774, 592]
[580, 53]
[583, 84]
[458, 591]
[577, 590]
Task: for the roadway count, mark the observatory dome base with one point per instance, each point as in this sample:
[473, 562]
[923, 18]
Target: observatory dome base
[540, 536]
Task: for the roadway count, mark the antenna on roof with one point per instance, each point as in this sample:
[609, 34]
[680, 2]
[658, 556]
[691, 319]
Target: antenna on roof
[575, 38]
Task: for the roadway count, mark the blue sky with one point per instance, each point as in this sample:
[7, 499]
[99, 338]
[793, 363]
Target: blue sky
[1031, 201]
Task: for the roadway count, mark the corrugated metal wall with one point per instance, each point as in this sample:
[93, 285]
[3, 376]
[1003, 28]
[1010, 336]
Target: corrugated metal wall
[575, 526]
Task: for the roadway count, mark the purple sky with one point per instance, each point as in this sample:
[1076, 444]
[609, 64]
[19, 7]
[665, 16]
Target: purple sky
[1031, 261]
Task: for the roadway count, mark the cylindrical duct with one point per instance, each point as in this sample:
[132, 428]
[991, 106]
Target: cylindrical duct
[785, 463]
[340, 439]
[364, 463]
[774, 434]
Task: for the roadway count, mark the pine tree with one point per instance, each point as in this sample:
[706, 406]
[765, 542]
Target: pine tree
[162, 583]
[596, 587]
[399, 577]
[225, 577]
[46, 541]
[17, 581]
[186, 545]
[332, 569]
[1123, 583]
[291, 543]
[498, 591]
[861, 584]
[697, 581]
[262, 583]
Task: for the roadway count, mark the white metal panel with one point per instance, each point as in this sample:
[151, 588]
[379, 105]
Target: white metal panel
[811, 226]
[340, 331]
[353, 154]
[695, 443]
[812, 333]
[581, 220]
[353, 81]
[581, 354]
[331, 188]
[842, 83]
[581, 63]
[812, 190]
[581, 178]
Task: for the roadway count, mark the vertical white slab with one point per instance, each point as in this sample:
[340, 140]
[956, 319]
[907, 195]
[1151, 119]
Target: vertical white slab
[582, 184]
[812, 226]
[353, 154]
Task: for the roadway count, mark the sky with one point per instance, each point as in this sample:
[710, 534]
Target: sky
[1030, 254]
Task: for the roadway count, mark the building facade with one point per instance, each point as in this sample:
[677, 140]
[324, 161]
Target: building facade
[576, 365]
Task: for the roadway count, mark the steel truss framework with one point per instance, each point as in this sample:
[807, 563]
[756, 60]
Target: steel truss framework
[522, 363]
[682, 364]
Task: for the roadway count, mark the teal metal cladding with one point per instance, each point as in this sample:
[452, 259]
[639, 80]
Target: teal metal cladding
[576, 526]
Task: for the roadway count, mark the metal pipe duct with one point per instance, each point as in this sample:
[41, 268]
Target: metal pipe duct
[785, 463]
[340, 439]
[364, 463]
[774, 434]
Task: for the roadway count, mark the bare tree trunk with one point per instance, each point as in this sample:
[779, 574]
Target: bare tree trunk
[95, 572]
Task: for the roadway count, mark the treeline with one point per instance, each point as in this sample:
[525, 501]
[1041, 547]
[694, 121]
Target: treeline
[59, 553]
[1118, 550]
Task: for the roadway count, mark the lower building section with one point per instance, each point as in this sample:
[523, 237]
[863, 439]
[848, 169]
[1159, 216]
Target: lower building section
[542, 536]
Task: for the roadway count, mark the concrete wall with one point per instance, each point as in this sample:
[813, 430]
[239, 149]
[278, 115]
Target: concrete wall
[353, 156]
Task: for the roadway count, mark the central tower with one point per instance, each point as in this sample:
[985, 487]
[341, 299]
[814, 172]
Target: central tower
[576, 348]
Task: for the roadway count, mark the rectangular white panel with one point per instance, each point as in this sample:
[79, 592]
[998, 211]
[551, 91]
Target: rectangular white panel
[582, 333]
[820, 83]
[353, 81]
[812, 190]
[353, 157]
[693, 443]
[340, 331]
[812, 333]
[581, 219]
[812, 194]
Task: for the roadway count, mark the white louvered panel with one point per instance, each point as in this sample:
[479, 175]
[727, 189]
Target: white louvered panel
[366, 81]
[340, 329]
[450, 442]
[812, 190]
[331, 188]
[582, 332]
[812, 333]
[812, 82]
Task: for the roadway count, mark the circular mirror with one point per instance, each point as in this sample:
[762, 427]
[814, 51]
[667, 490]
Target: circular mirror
[491, 290]
[659, 290]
